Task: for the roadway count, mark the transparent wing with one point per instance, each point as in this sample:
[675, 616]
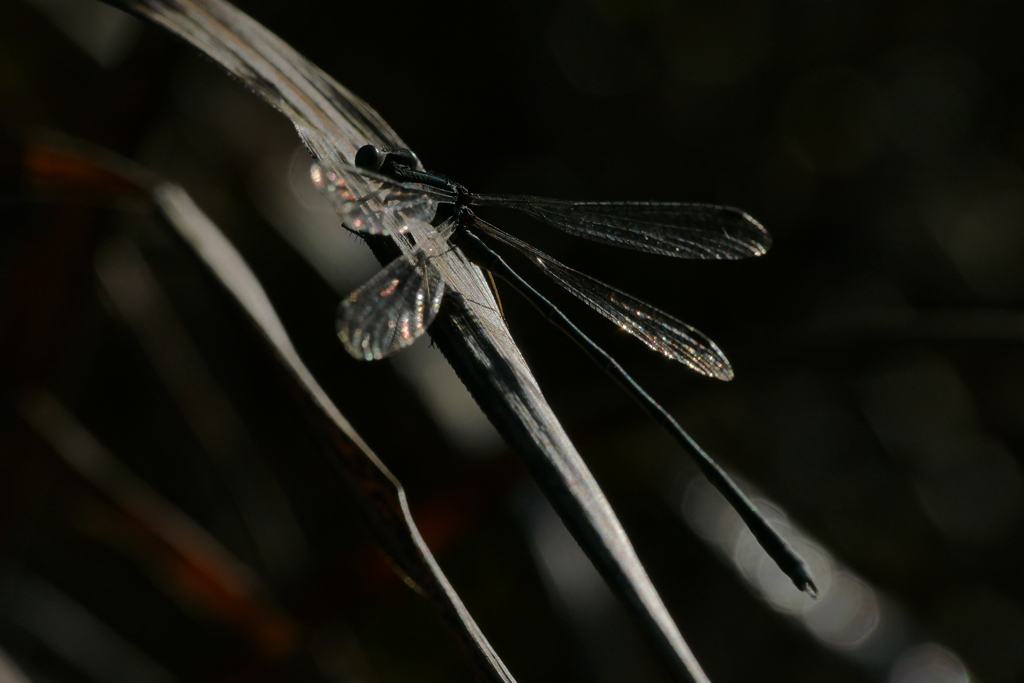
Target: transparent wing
[392, 309]
[364, 200]
[697, 231]
[655, 328]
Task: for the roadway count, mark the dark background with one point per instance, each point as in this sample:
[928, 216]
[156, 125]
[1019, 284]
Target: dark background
[880, 381]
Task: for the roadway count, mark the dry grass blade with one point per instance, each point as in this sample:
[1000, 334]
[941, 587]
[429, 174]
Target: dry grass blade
[271, 524]
[380, 496]
[470, 331]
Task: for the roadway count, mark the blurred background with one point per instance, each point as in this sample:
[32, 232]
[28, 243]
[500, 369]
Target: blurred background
[164, 514]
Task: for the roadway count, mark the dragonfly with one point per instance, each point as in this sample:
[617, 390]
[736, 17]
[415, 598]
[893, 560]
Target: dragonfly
[396, 306]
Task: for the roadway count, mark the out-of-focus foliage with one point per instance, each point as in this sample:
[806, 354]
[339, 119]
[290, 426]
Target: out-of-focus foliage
[878, 398]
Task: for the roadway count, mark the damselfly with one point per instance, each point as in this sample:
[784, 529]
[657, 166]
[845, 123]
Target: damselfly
[397, 305]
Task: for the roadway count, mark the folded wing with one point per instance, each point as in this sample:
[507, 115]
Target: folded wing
[392, 309]
[655, 328]
[363, 199]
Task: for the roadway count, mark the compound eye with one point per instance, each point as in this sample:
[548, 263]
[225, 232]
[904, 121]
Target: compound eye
[404, 157]
[370, 157]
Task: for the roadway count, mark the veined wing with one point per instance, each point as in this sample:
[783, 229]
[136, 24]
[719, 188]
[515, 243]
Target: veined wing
[392, 309]
[364, 200]
[655, 328]
[697, 231]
